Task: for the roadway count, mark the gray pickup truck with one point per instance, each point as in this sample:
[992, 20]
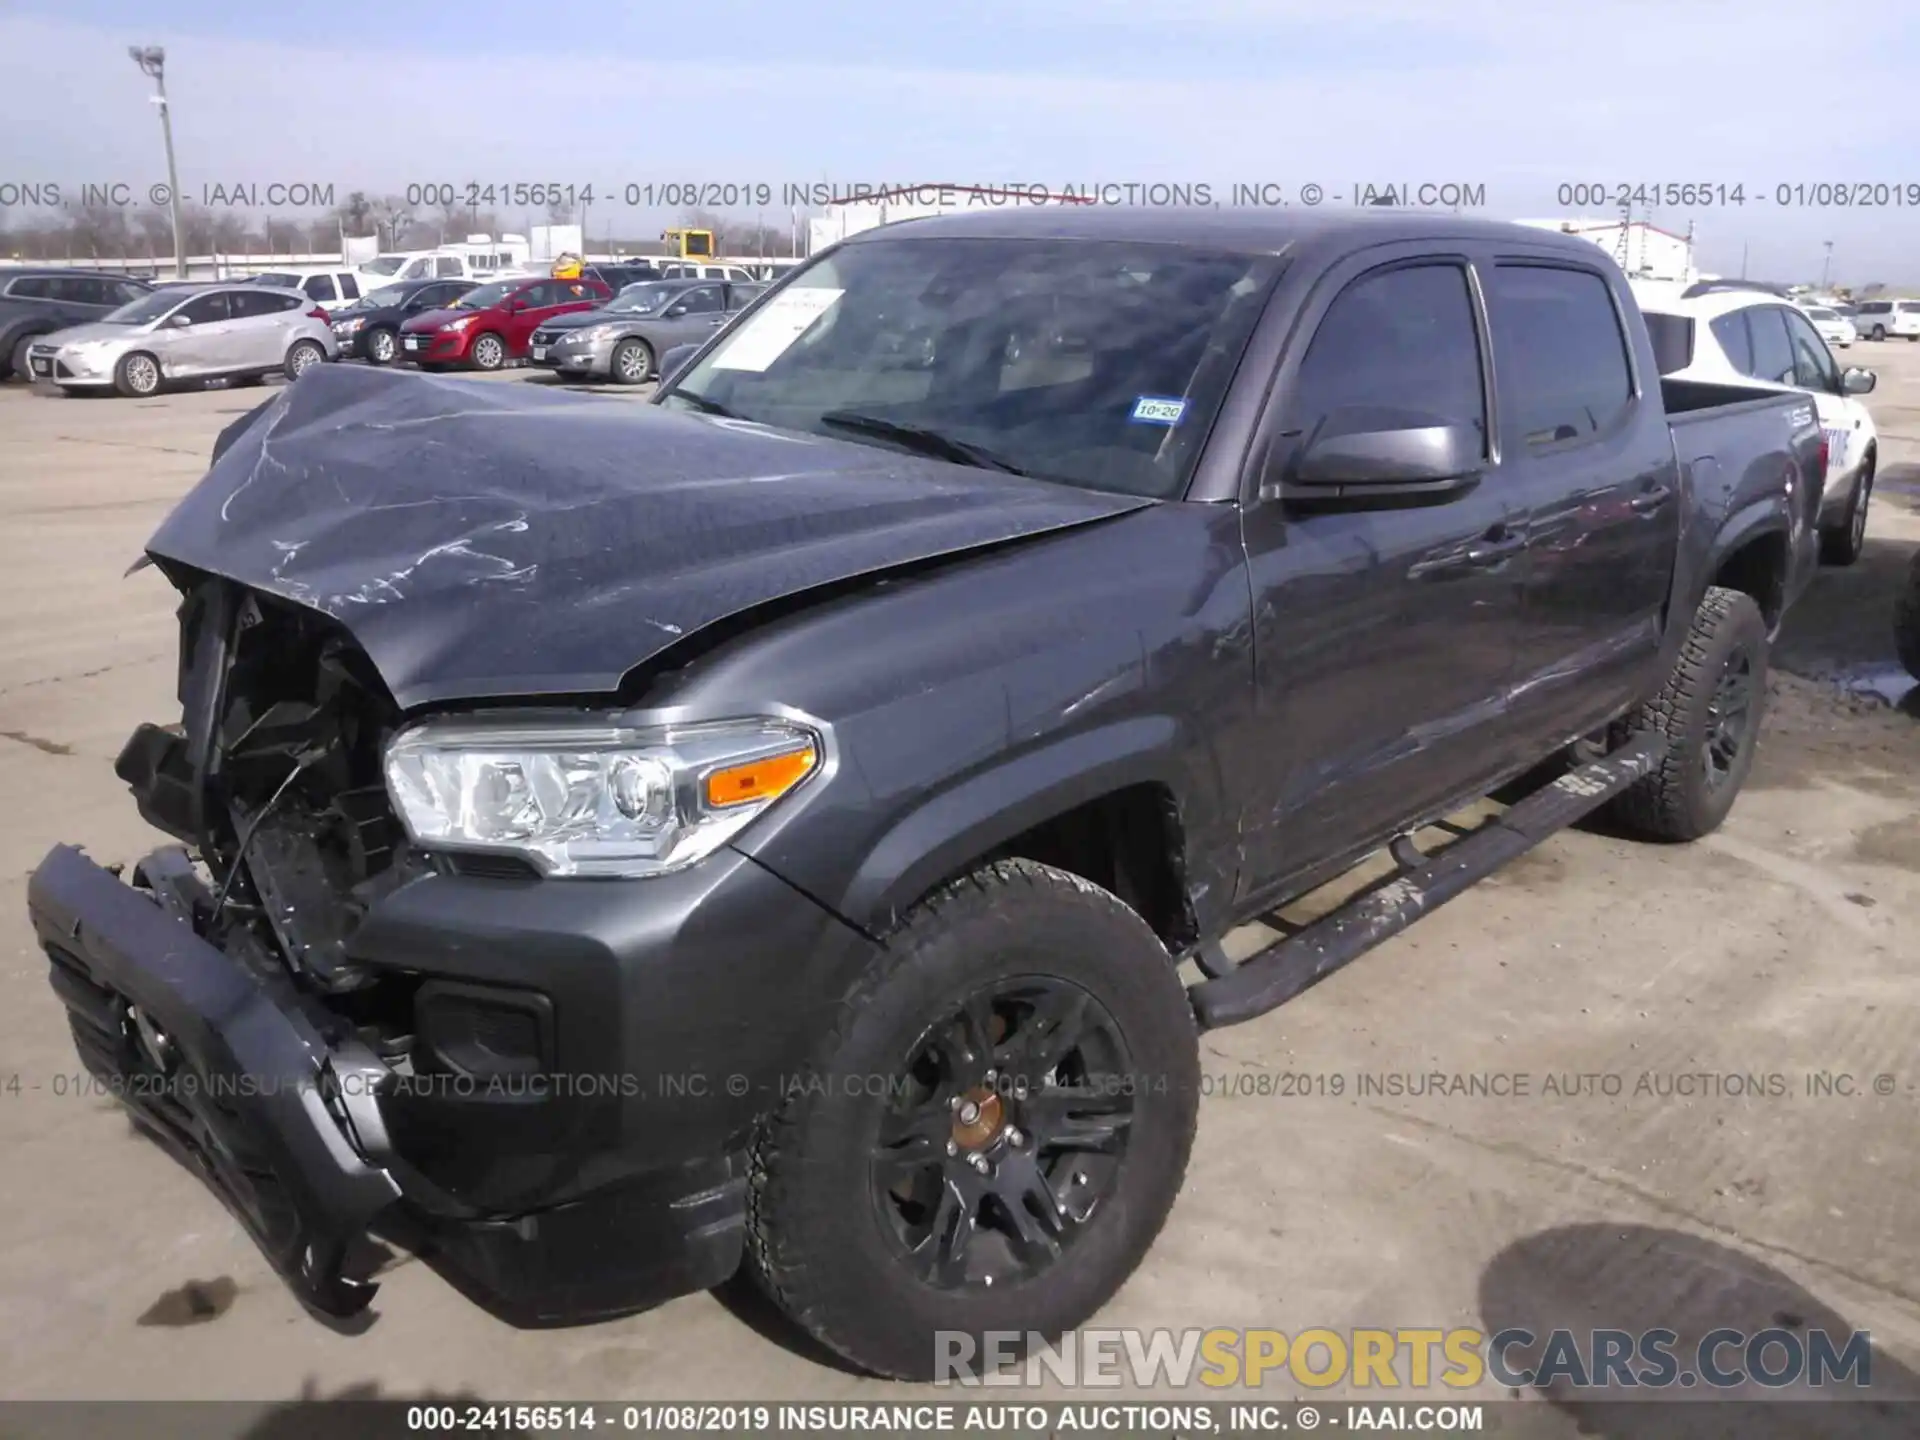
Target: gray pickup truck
[793, 823]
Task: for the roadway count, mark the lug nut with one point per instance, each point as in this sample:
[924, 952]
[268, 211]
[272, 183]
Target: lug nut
[1014, 1137]
[955, 1103]
[979, 1162]
[952, 1149]
[992, 1075]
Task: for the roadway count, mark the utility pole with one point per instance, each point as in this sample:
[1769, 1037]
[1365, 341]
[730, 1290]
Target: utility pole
[1743, 259]
[152, 59]
[1826, 265]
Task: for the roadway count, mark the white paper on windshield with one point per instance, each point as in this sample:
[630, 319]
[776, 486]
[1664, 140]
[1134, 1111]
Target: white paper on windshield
[781, 321]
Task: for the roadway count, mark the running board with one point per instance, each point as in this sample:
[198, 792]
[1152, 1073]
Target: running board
[1275, 975]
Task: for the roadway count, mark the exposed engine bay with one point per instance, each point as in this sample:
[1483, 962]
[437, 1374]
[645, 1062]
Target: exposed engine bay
[273, 777]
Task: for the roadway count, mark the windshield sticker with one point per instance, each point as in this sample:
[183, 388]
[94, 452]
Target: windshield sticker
[1158, 410]
[774, 328]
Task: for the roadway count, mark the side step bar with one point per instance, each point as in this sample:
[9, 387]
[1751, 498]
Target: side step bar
[1275, 975]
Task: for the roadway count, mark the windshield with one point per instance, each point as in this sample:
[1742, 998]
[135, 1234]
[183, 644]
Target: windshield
[1821, 314]
[483, 296]
[284, 282]
[147, 307]
[1096, 363]
[384, 298]
[644, 298]
[384, 265]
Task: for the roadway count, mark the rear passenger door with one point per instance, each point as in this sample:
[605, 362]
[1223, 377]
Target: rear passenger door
[260, 323]
[1384, 636]
[1584, 447]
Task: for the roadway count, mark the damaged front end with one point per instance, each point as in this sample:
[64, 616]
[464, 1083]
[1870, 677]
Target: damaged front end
[212, 994]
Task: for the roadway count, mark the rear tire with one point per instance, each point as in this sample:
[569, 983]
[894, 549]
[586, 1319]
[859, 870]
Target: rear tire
[1879, 332]
[137, 376]
[1906, 620]
[1043, 1078]
[1709, 711]
[1841, 544]
[17, 361]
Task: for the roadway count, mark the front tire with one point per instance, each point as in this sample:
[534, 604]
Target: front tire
[1906, 620]
[137, 375]
[381, 346]
[1041, 1073]
[1841, 544]
[632, 362]
[488, 352]
[1709, 711]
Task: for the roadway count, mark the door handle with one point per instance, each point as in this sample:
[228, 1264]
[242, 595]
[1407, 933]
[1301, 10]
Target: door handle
[1648, 501]
[1488, 553]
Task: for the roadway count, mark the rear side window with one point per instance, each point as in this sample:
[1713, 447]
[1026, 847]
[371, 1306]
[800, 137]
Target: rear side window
[1672, 337]
[1559, 352]
[1402, 340]
[31, 287]
[1773, 359]
[446, 265]
[318, 287]
[248, 305]
[349, 287]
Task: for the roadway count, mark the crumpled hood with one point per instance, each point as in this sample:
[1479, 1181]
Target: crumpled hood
[487, 540]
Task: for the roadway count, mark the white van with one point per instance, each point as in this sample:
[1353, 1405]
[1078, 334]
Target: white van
[1887, 319]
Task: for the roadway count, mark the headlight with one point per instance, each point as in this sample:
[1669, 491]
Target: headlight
[347, 327]
[461, 323]
[592, 333]
[593, 799]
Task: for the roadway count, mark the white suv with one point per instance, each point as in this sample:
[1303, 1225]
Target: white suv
[1887, 319]
[1751, 337]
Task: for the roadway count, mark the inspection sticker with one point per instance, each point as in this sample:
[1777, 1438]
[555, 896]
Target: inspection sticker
[1159, 409]
[774, 327]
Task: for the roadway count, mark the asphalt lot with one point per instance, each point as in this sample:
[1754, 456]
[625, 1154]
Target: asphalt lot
[1784, 946]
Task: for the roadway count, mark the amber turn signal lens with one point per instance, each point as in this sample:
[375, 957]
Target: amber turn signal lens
[759, 779]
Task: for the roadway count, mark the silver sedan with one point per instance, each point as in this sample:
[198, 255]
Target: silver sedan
[240, 332]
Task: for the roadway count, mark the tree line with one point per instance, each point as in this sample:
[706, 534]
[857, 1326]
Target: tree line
[108, 232]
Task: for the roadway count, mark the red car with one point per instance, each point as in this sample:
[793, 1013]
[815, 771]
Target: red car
[488, 326]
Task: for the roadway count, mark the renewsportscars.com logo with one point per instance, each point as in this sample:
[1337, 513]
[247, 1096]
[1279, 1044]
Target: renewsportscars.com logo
[1414, 1359]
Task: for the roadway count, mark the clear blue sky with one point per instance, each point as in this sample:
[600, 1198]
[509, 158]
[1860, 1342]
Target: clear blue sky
[1511, 96]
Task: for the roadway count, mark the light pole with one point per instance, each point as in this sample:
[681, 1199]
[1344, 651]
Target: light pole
[153, 60]
[1826, 264]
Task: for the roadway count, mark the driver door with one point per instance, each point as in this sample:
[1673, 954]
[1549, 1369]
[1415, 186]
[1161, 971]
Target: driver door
[1384, 637]
[195, 346]
[694, 315]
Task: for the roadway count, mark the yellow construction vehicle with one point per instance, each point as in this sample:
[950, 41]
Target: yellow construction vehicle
[689, 244]
[568, 267]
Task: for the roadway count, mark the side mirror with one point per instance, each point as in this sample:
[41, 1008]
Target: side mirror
[674, 312]
[516, 305]
[674, 361]
[179, 320]
[1385, 457]
[1855, 381]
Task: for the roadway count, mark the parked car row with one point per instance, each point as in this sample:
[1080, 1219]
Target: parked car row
[577, 327]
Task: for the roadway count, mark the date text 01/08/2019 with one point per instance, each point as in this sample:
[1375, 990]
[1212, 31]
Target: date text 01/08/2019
[1713, 194]
[762, 194]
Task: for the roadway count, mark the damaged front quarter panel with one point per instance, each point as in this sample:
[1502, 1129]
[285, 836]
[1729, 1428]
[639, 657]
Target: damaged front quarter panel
[485, 541]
